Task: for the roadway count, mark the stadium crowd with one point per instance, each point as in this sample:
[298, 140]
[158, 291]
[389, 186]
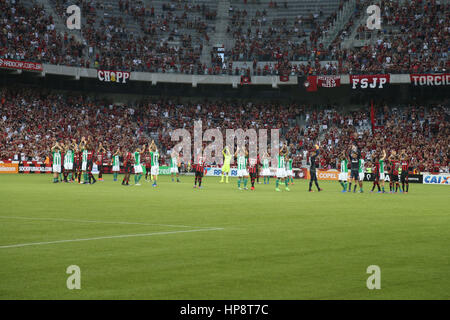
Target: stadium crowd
[170, 38]
[423, 131]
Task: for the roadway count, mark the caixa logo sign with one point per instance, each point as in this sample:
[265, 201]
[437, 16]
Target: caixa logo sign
[436, 179]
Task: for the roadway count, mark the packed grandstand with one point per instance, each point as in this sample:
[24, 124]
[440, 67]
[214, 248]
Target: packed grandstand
[258, 38]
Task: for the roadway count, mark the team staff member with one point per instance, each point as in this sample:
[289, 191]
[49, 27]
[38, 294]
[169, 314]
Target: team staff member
[312, 170]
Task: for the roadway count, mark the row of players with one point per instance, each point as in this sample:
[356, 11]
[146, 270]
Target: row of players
[394, 169]
[78, 162]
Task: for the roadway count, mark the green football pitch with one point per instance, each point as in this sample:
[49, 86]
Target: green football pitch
[176, 242]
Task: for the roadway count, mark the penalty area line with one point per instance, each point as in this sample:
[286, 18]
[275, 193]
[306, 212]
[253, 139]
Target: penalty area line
[107, 237]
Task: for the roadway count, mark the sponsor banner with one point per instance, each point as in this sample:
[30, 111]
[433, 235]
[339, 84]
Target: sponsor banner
[22, 65]
[430, 79]
[9, 168]
[113, 76]
[34, 168]
[284, 78]
[442, 179]
[331, 175]
[217, 172]
[412, 178]
[328, 81]
[377, 81]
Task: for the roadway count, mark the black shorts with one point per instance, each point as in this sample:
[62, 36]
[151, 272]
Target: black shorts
[376, 176]
[89, 165]
[404, 177]
[128, 168]
[313, 175]
[354, 174]
[393, 177]
[199, 174]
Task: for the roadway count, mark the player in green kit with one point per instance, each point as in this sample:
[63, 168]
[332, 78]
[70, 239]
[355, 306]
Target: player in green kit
[154, 155]
[361, 174]
[226, 164]
[266, 167]
[116, 164]
[174, 163]
[137, 165]
[241, 156]
[343, 175]
[281, 169]
[69, 157]
[56, 157]
[289, 172]
[84, 159]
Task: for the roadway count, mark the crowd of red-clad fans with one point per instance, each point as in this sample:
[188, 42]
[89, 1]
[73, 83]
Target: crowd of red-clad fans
[170, 37]
[31, 120]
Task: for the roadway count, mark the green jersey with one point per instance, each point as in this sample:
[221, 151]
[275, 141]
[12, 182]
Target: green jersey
[344, 165]
[361, 165]
[56, 158]
[137, 159]
[115, 161]
[173, 162]
[265, 163]
[155, 158]
[69, 157]
[381, 166]
[289, 164]
[85, 155]
[242, 163]
[280, 161]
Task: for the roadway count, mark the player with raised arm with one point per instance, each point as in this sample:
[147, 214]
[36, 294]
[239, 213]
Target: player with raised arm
[174, 163]
[361, 168]
[354, 168]
[226, 164]
[253, 171]
[404, 174]
[343, 175]
[90, 160]
[312, 169]
[137, 165]
[393, 172]
[281, 169]
[56, 161]
[148, 165]
[266, 167]
[116, 164]
[127, 166]
[289, 172]
[199, 169]
[241, 155]
[154, 155]
[68, 161]
[379, 173]
[84, 160]
[101, 151]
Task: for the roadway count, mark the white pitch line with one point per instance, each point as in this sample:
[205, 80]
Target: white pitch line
[105, 222]
[107, 237]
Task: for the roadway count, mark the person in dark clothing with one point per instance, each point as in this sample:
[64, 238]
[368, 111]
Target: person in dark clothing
[312, 170]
